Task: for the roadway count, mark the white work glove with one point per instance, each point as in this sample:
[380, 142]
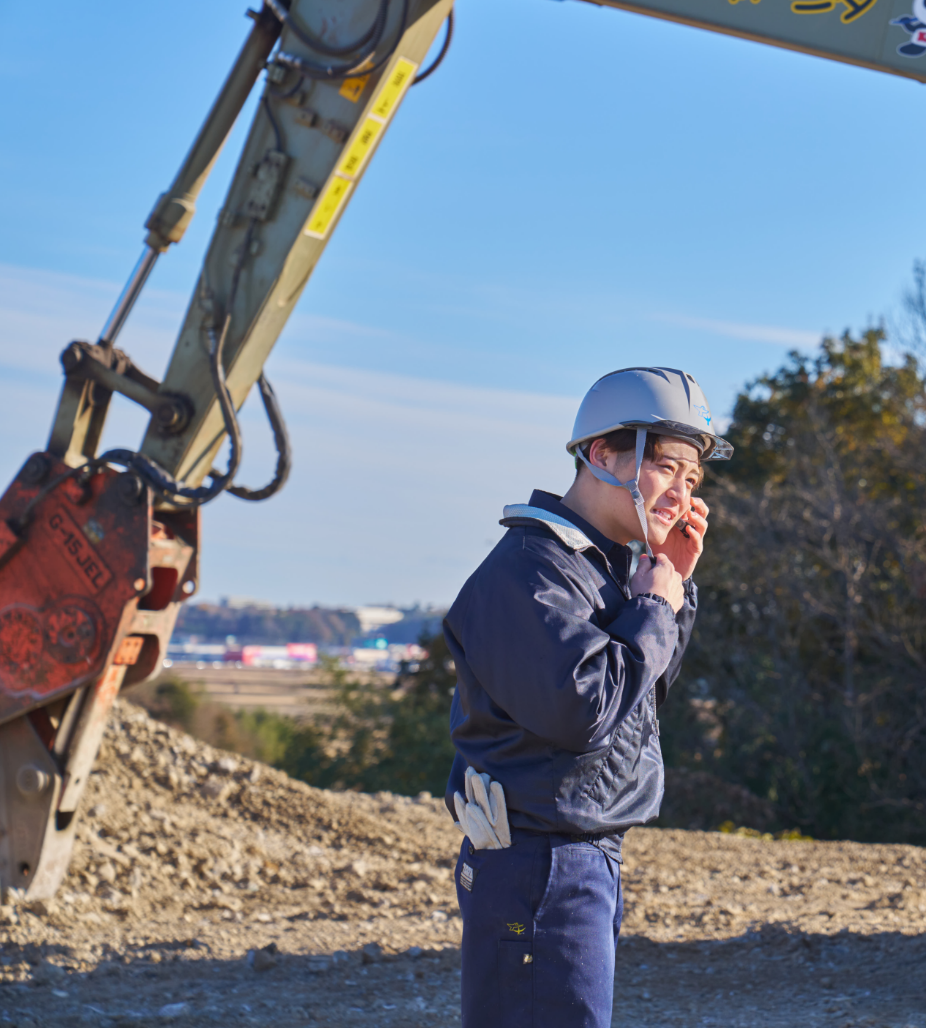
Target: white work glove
[483, 816]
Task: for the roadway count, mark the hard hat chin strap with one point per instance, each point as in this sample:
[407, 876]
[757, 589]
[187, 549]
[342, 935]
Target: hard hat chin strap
[631, 484]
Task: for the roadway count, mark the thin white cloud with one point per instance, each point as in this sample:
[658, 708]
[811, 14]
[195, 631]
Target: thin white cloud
[397, 487]
[314, 323]
[794, 337]
[42, 311]
[398, 481]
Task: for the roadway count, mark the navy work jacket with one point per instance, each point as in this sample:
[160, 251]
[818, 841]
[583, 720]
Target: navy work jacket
[559, 674]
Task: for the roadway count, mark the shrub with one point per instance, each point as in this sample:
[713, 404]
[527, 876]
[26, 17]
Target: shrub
[805, 677]
[175, 701]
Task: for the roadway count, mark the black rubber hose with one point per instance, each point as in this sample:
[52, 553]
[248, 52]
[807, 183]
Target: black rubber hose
[439, 59]
[304, 36]
[285, 94]
[162, 481]
[345, 71]
[274, 124]
[281, 441]
[19, 524]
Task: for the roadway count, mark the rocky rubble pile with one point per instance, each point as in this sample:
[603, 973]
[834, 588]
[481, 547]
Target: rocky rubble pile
[687, 885]
[209, 889]
[172, 824]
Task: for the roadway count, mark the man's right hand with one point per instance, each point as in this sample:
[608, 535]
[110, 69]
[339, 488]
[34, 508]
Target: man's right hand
[659, 578]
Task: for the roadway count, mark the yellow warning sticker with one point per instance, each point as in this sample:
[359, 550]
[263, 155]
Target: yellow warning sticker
[393, 89]
[352, 89]
[357, 153]
[328, 207]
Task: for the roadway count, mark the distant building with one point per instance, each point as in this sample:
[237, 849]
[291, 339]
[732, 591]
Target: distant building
[371, 618]
[290, 655]
[385, 657]
[243, 602]
[239, 632]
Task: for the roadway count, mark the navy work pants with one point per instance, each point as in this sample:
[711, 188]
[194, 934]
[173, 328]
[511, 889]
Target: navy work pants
[540, 926]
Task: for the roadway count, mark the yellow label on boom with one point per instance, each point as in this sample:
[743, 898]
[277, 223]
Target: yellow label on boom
[328, 207]
[364, 141]
[393, 89]
[357, 153]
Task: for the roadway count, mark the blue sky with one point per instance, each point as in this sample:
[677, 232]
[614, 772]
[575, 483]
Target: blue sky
[577, 189]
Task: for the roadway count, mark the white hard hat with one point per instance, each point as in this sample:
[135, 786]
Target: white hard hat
[661, 400]
[664, 401]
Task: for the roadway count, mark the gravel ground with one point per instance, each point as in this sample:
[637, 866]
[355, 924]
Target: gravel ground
[207, 889]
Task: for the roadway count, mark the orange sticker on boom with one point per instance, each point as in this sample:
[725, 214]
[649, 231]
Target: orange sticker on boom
[352, 89]
[393, 89]
[328, 207]
[357, 153]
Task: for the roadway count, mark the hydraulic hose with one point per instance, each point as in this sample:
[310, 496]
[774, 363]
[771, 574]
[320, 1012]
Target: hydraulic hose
[281, 441]
[161, 480]
[331, 72]
[439, 59]
[368, 41]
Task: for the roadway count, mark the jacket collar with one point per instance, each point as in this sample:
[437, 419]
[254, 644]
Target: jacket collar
[570, 528]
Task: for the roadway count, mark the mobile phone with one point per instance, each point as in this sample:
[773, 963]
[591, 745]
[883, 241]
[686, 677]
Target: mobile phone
[682, 525]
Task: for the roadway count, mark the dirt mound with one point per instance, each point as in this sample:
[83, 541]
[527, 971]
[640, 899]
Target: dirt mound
[212, 890]
[700, 801]
[173, 824]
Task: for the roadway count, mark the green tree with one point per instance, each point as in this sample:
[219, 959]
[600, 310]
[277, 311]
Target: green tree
[418, 751]
[176, 702]
[394, 738]
[805, 678]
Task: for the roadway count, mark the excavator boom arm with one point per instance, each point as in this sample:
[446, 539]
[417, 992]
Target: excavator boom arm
[94, 562]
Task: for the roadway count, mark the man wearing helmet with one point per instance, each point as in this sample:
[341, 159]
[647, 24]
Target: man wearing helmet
[562, 659]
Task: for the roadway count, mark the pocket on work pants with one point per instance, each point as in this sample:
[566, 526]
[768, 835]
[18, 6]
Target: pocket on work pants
[499, 890]
[574, 937]
[515, 983]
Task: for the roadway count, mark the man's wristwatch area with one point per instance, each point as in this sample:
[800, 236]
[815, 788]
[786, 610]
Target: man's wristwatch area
[654, 596]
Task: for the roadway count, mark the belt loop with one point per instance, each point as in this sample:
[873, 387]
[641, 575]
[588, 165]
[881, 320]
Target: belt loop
[590, 837]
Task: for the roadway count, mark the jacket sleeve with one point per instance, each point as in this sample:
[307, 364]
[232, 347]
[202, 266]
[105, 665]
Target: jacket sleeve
[527, 636]
[685, 619]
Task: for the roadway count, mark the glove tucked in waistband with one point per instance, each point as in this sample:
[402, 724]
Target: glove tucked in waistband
[483, 816]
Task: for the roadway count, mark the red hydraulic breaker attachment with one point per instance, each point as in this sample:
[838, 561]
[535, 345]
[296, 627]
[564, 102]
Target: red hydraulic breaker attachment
[90, 587]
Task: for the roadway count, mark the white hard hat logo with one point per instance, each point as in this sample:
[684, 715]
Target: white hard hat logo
[704, 412]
